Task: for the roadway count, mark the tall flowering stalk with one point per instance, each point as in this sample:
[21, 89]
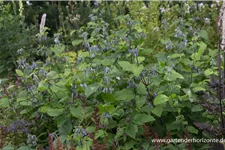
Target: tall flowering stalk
[14, 7]
[21, 11]
[43, 20]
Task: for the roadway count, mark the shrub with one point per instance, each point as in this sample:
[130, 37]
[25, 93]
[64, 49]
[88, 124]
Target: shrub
[110, 94]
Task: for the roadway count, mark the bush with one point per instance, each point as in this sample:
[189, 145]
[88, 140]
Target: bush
[110, 94]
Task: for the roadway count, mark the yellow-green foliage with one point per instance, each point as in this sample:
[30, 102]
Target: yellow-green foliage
[149, 20]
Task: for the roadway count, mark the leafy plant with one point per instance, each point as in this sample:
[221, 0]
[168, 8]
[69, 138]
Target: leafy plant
[117, 92]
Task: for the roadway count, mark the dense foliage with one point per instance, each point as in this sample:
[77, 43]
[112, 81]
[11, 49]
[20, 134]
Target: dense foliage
[113, 77]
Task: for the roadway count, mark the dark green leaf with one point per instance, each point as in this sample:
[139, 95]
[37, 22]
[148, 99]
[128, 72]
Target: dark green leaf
[196, 108]
[125, 94]
[140, 101]
[108, 97]
[141, 89]
[24, 148]
[131, 130]
[204, 34]
[4, 102]
[157, 110]
[77, 112]
[140, 119]
[191, 129]
[66, 128]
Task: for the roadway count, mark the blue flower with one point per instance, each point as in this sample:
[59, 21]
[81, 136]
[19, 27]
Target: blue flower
[169, 45]
[96, 3]
[134, 52]
[107, 115]
[131, 84]
[105, 90]
[185, 41]
[130, 23]
[83, 132]
[107, 80]
[107, 70]
[84, 85]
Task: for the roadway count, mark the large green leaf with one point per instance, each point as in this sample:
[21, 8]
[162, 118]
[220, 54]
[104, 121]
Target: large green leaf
[58, 49]
[105, 108]
[55, 112]
[76, 42]
[140, 101]
[197, 56]
[176, 125]
[107, 97]
[42, 86]
[24, 148]
[65, 128]
[196, 108]
[52, 75]
[198, 88]
[100, 133]
[157, 110]
[160, 99]
[77, 112]
[135, 69]
[131, 130]
[173, 75]
[4, 102]
[204, 34]
[19, 73]
[208, 72]
[125, 94]
[44, 109]
[107, 62]
[119, 133]
[91, 89]
[140, 119]
[176, 55]
[141, 89]
[8, 147]
[146, 51]
[125, 65]
[140, 59]
[191, 129]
